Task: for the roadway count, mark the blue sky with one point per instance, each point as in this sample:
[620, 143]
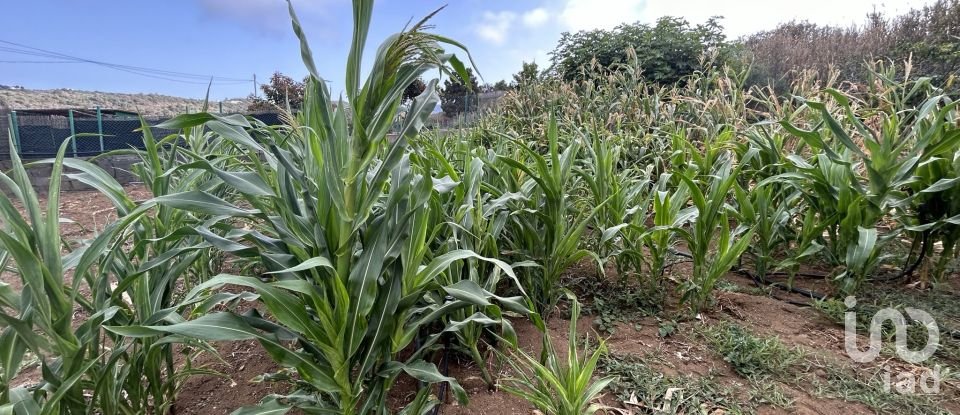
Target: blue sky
[238, 38]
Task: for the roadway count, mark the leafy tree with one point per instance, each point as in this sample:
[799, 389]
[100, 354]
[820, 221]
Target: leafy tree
[414, 90]
[501, 85]
[666, 51]
[278, 92]
[529, 72]
[458, 97]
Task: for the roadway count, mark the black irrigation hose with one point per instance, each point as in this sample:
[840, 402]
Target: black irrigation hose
[445, 371]
[759, 281]
[909, 271]
[798, 274]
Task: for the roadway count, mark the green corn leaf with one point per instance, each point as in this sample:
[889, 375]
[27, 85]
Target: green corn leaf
[202, 202]
[315, 262]
[271, 407]
[941, 185]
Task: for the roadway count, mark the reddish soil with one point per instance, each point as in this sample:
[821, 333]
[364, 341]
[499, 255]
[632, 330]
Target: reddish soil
[234, 388]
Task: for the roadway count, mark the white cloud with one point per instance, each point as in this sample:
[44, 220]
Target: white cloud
[495, 26]
[536, 17]
[591, 14]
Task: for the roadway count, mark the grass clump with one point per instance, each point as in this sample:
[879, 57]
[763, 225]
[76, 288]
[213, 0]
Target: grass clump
[844, 383]
[750, 355]
[941, 304]
[617, 302]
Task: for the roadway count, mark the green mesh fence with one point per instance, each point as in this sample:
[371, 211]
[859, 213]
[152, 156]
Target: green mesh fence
[39, 133]
[92, 132]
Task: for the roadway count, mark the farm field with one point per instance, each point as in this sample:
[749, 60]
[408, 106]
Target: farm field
[603, 240]
[799, 364]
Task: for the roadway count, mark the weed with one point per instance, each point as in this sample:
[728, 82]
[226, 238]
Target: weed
[666, 328]
[847, 384]
[750, 355]
[616, 303]
[941, 304]
[640, 386]
[766, 391]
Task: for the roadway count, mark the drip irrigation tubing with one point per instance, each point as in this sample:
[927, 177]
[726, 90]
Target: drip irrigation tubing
[760, 281]
[445, 370]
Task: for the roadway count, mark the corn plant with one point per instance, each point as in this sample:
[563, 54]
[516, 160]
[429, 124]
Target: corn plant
[78, 368]
[156, 253]
[769, 214]
[668, 212]
[37, 319]
[338, 217]
[542, 227]
[134, 284]
[930, 213]
[804, 246]
[851, 206]
[470, 219]
[714, 247]
[559, 386]
[617, 194]
[936, 213]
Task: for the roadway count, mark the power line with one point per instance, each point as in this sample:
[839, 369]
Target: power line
[57, 57]
[47, 53]
[40, 62]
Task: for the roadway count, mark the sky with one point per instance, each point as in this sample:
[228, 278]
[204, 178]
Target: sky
[233, 40]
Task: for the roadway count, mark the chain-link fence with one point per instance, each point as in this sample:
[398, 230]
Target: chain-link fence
[455, 112]
[40, 133]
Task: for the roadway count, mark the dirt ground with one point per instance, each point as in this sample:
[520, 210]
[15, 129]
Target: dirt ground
[683, 353]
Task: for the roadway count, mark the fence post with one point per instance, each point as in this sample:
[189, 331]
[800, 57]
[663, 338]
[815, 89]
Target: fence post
[73, 133]
[16, 130]
[100, 127]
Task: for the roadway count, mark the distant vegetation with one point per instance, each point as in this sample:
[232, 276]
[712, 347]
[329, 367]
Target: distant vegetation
[666, 52]
[672, 49]
[928, 37]
[147, 104]
[281, 92]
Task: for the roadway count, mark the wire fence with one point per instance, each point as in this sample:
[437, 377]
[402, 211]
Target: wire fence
[40, 135]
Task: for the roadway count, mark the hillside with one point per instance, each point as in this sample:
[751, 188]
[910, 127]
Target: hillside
[147, 104]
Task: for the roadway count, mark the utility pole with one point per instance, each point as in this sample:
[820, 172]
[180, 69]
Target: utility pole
[254, 85]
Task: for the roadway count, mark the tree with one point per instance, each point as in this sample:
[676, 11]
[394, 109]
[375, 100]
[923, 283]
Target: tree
[278, 92]
[414, 90]
[666, 52]
[501, 85]
[528, 73]
[457, 97]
